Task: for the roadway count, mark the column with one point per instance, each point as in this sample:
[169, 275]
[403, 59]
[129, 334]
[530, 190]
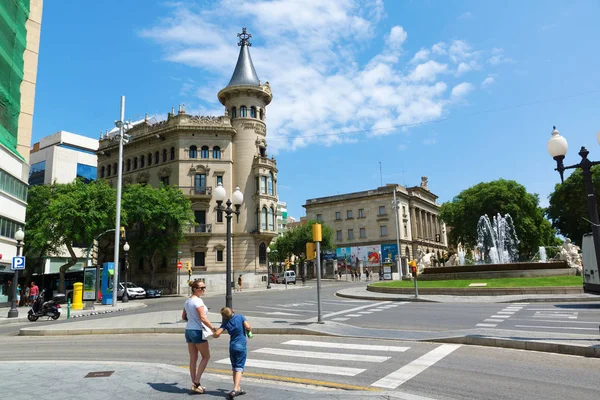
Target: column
[413, 223]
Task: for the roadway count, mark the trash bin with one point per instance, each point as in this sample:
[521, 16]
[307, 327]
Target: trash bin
[60, 298]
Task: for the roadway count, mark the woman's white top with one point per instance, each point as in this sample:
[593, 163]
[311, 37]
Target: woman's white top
[194, 321]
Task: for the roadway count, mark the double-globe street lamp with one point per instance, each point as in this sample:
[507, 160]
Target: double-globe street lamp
[126, 248]
[557, 147]
[238, 198]
[13, 312]
[268, 269]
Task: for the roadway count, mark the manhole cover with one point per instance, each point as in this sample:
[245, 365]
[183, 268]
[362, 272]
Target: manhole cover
[99, 374]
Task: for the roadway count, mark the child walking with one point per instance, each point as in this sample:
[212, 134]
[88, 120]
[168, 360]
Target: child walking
[237, 326]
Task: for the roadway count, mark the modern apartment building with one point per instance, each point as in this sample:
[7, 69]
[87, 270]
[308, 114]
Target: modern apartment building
[20, 23]
[197, 153]
[368, 225]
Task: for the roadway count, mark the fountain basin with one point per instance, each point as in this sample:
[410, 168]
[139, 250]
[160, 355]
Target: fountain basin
[508, 270]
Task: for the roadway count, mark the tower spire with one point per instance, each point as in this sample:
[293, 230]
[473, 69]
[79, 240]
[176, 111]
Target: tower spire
[244, 73]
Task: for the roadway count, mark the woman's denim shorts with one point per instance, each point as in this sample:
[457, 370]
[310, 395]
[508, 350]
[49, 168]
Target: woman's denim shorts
[194, 336]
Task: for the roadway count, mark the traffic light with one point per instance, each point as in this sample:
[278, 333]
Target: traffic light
[413, 268]
[311, 251]
[122, 232]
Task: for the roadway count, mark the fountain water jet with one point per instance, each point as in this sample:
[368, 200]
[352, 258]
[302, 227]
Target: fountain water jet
[497, 240]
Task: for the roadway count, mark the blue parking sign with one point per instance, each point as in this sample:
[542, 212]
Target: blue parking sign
[18, 262]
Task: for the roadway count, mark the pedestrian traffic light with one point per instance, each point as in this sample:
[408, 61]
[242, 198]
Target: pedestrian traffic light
[413, 268]
[311, 251]
[122, 232]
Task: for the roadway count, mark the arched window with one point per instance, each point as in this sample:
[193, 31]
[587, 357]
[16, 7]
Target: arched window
[193, 152]
[164, 155]
[262, 114]
[135, 162]
[116, 171]
[270, 183]
[271, 219]
[233, 112]
[102, 171]
[156, 157]
[204, 152]
[253, 112]
[129, 164]
[149, 159]
[262, 254]
[108, 171]
[263, 219]
[243, 112]
[142, 161]
[217, 152]
[172, 153]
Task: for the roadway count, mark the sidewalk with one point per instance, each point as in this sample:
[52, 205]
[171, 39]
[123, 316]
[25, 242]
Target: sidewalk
[126, 380]
[98, 309]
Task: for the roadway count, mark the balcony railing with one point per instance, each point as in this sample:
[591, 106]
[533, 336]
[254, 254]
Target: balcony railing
[197, 190]
[201, 228]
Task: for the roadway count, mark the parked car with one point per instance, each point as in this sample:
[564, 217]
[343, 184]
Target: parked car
[133, 291]
[152, 291]
[290, 276]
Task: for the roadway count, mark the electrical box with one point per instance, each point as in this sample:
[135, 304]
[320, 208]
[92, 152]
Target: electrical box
[591, 277]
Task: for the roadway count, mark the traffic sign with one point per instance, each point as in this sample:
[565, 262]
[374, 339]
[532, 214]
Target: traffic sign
[18, 263]
[179, 265]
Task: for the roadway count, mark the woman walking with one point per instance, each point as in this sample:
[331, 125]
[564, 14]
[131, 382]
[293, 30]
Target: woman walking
[197, 330]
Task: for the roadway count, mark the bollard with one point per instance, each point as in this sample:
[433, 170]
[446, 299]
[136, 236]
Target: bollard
[68, 308]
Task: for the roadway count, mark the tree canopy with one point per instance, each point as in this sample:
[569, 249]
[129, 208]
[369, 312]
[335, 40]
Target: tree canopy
[568, 205]
[293, 241]
[499, 197]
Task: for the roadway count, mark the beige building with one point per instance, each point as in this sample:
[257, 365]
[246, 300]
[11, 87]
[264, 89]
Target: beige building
[196, 153]
[365, 224]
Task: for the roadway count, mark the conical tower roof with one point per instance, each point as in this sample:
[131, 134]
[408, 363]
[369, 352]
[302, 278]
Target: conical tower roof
[244, 73]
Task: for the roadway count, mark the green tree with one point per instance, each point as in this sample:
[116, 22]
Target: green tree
[156, 219]
[501, 196]
[293, 242]
[568, 205]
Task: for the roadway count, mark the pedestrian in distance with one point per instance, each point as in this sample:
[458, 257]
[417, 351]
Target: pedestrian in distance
[240, 282]
[27, 296]
[33, 292]
[18, 295]
[238, 327]
[197, 331]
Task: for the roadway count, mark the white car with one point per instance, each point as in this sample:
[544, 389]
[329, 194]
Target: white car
[133, 291]
[290, 276]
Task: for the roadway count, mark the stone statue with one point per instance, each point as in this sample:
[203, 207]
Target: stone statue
[424, 181]
[570, 253]
[452, 261]
[424, 260]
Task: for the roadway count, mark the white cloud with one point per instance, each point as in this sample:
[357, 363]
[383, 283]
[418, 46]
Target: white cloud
[309, 52]
[498, 57]
[420, 55]
[461, 90]
[466, 15]
[463, 67]
[489, 80]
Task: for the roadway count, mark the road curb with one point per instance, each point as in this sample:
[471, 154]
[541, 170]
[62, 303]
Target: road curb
[380, 298]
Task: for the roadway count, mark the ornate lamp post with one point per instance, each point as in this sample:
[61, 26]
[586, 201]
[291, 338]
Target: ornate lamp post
[557, 147]
[268, 269]
[238, 198]
[125, 297]
[13, 312]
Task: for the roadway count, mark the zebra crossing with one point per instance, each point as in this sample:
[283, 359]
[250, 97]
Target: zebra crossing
[365, 310]
[339, 360]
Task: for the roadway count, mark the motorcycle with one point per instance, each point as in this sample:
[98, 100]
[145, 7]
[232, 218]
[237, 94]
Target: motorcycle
[41, 308]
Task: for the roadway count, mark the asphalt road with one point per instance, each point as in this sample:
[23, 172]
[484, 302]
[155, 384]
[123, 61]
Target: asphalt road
[440, 371]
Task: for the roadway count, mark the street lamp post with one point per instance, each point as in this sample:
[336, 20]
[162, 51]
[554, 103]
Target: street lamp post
[13, 312]
[268, 269]
[125, 298]
[220, 194]
[557, 147]
[396, 204]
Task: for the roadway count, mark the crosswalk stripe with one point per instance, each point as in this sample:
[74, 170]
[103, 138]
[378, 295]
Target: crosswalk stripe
[353, 315]
[340, 319]
[285, 366]
[365, 312]
[321, 355]
[332, 345]
[493, 320]
[487, 325]
[355, 309]
[409, 371]
[500, 316]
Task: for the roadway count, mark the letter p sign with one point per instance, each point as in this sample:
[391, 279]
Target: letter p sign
[18, 263]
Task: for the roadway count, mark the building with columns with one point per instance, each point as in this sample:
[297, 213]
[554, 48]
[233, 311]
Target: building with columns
[369, 226]
[195, 154]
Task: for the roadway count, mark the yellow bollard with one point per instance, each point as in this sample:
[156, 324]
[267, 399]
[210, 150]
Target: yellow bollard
[77, 296]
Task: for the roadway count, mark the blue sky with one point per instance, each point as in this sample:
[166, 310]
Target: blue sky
[462, 92]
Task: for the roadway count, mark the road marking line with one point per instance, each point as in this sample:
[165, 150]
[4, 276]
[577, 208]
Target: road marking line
[505, 312]
[513, 308]
[353, 315]
[365, 312]
[493, 320]
[325, 356]
[285, 366]
[340, 319]
[520, 304]
[280, 308]
[334, 345]
[487, 325]
[556, 327]
[355, 309]
[409, 371]
[561, 322]
[500, 316]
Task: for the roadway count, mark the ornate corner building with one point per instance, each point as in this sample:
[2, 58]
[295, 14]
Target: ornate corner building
[195, 154]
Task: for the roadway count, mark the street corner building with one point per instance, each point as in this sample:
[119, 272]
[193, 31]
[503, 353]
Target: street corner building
[195, 154]
[20, 24]
[376, 226]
